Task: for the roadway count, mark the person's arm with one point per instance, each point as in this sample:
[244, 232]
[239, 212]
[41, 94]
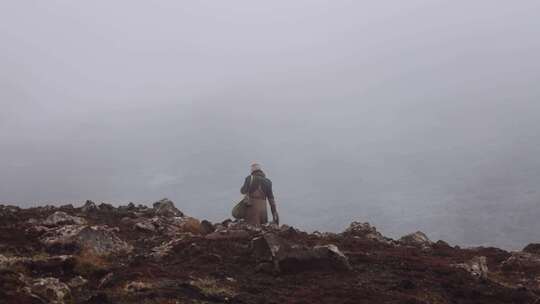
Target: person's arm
[272, 202]
[245, 187]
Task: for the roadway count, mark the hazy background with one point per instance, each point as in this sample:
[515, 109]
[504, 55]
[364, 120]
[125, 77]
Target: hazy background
[412, 115]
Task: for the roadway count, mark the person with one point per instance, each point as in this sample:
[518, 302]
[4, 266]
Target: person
[258, 189]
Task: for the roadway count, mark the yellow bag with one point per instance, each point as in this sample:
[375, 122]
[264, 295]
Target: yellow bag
[239, 210]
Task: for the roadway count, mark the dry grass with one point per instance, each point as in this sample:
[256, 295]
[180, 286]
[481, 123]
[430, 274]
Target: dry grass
[210, 288]
[88, 263]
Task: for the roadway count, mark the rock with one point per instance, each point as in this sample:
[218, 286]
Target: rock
[62, 218]
[365, 230]
[51, 290]
[106, 280]
[521, 261]
[77, 282]
[89, 206]
[137, 286]
[477, 267]
[167, 248]
[146, 226]
[207, 227]
[532, 248]
[106, 207]
[100, 240]
[228, 235]
[417, 239]
[165, 207]
[292, 258]
[170, 226]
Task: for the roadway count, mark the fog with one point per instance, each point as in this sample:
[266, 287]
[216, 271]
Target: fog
[416, 115]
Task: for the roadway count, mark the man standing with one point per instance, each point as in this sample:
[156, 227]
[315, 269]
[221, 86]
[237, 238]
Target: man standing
[258, 188]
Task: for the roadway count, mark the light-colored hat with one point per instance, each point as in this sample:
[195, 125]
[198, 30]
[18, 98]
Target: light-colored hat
[255, 167]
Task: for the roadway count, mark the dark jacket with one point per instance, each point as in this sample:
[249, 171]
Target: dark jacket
[259, 178]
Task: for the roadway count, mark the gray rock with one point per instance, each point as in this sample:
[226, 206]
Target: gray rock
[62, 218]
[477, 267]
[293, 258]
[165, 207]
[101, 240]
[77, 282]
[417, 239]
[366, 231]
[89, 206]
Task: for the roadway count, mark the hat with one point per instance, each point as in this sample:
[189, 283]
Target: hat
[255, 167]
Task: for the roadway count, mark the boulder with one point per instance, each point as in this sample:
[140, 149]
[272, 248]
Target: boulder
[532, 248]
[207, 227]
[62, 218]
[366, 231]
[51, 290]
[106, 207]
[169, 226]
[77, 282]
[165, 207]
[477, 267]
[89, 206]
[417, 239]
[101, 240]
[293, 258]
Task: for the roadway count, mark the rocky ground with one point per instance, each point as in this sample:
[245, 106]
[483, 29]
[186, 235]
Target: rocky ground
[136, 254]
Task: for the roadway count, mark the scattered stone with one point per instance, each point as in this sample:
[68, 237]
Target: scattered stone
[62, 218]
[165, 207]
[477, 267]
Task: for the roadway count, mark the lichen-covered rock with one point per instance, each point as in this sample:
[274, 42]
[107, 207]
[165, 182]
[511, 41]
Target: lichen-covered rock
[101, 240]
[417, 239]
[165, 207]
[477, 267]
[62, 218]
[288, 257]
[366, 231]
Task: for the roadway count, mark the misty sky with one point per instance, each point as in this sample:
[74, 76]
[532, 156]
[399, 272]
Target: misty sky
[412, 115]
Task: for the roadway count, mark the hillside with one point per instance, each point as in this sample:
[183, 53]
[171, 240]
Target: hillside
[137, 254]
